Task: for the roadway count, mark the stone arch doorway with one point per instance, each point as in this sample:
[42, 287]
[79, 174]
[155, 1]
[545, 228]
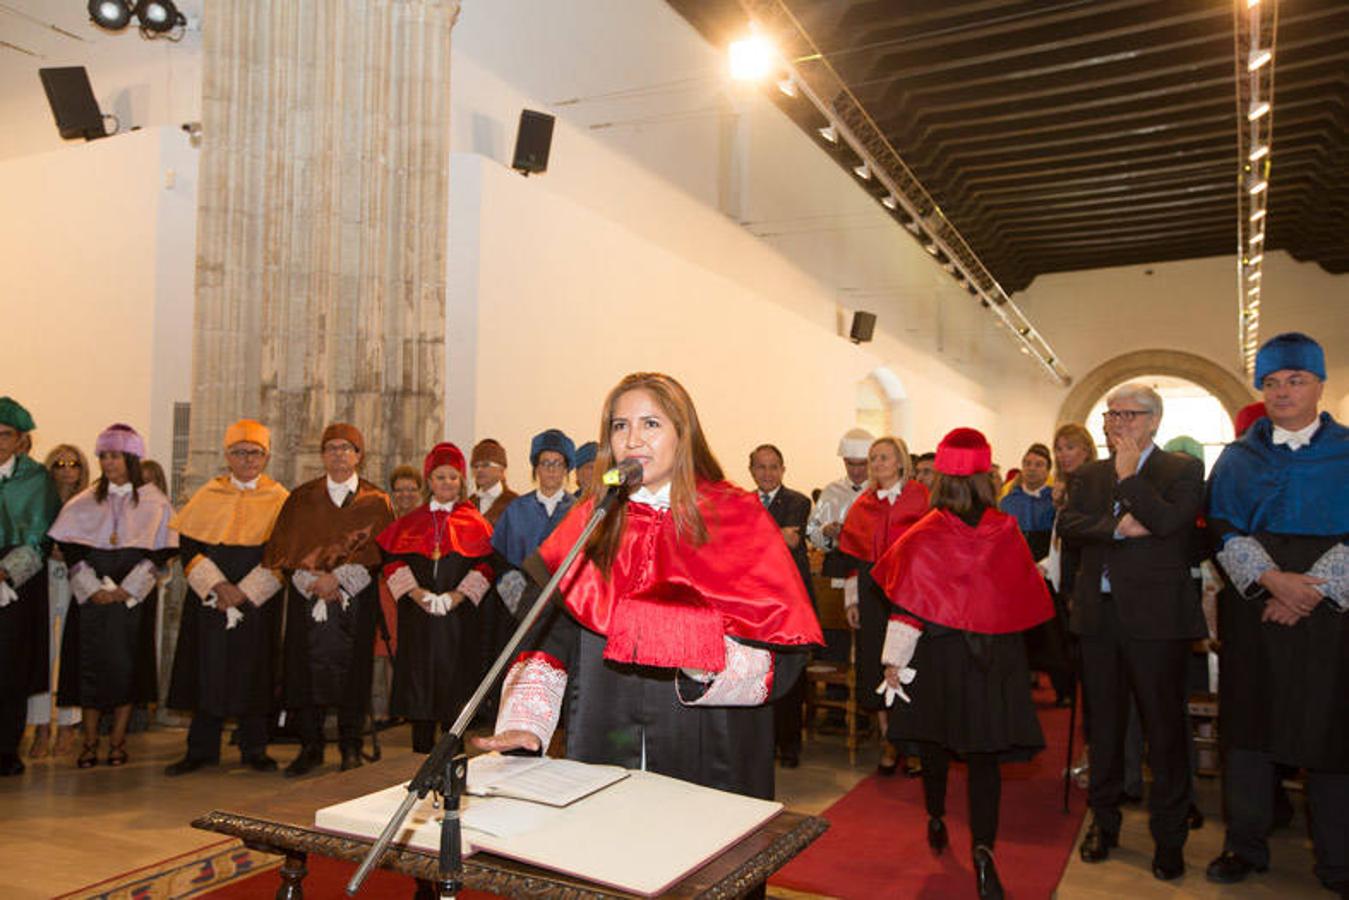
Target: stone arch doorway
[882, 403]
[1230, 391]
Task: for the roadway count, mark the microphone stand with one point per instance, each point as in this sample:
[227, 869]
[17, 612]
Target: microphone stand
[446, 768]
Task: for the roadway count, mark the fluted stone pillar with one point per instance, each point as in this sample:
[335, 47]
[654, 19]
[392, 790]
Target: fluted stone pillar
[321, 228]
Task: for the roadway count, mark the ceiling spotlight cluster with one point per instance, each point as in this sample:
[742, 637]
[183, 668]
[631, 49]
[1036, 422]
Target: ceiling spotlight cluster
[844, 131]
[1255, 25]
[155, 18]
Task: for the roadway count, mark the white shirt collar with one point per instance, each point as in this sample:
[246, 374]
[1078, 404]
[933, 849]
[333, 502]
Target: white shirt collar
[246, 485]
[772, 495]
[487, 497]
[1037, 493]
[1295, 440]
[659, 500]
[119, 490]
[550, 503]
[891, 494]
[437, 506]
[8, 468]
[338, 490]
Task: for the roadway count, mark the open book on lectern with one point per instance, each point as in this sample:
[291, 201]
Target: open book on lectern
[637, 832]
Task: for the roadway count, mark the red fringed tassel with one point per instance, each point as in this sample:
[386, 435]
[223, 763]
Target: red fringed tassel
[670, 626]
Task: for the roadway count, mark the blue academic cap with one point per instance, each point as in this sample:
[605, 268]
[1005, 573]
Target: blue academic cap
[554, 440]
[1290, 350]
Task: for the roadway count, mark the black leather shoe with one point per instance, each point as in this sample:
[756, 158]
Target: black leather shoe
[1168, 863]
[913, 767]
[351, 758]
[185, 766]
[1229, 868]
[1096, 845]
[1194, 818]
[310, 758]
[937, 837]
[986, 875]
[260, 762]
[10, 764]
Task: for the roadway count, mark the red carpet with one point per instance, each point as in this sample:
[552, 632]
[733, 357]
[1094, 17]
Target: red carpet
[328, 878]
[876, 845]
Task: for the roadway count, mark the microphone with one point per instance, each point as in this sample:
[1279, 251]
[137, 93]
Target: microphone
[627, 474]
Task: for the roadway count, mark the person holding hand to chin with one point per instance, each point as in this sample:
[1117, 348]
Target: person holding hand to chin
[681, 620]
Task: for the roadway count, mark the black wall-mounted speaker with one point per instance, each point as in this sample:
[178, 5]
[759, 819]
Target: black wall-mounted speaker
[533, 140]
[72, 101]
[863, 324]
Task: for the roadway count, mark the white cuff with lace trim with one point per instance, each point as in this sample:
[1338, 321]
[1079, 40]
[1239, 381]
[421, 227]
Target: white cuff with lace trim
[1333, 566]
[259, 585]
[402, 582]
[747, 679]
[22, 563]
[850, 596]
[83, 582]
[203, 575]
[531, 697]
[1245, 560]
[353, 578]
[139, 582]
[474, 586]
[303, 579]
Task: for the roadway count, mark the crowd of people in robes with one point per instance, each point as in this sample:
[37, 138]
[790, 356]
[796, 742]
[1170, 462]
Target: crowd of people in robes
[688, 618]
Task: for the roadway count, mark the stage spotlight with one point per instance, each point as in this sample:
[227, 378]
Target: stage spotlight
[159, 16]
[113, 15]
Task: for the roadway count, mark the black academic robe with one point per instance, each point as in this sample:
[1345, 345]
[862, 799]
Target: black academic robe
[108, 653]
[630, 715]
[220, 671]
[24, 660]
[436, 669]
[1289, 696]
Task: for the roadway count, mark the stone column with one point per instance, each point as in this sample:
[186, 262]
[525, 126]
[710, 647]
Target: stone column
[321, 227]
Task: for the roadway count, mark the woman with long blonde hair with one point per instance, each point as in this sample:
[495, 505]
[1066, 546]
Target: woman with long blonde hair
[682, 619]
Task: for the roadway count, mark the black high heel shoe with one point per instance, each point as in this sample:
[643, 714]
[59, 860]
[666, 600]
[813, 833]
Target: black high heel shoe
[937, 837]
[986, 875]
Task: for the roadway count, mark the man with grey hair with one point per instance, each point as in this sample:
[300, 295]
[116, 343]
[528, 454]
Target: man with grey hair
[1136, 610]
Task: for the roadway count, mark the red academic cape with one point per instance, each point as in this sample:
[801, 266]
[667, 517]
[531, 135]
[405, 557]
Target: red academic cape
[436, 534]
[973, 579]
[873, 525]
[668, 601]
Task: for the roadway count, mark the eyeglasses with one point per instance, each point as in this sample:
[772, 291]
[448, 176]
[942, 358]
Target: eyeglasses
[552, 464]
[243, 453]
[67, 464]
[487, 464]
[1292, 381]
[1124, 415]
[335, 448]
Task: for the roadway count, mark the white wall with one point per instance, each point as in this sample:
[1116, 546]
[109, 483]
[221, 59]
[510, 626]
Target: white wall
[1091, 317]
[96, 276]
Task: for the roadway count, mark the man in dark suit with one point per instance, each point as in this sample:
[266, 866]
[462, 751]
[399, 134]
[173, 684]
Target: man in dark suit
[791, 511]
[1136, 610]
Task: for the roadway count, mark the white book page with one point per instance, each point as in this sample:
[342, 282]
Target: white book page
[556, 782]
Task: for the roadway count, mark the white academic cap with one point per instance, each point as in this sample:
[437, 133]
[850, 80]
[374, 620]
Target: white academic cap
[855, 443]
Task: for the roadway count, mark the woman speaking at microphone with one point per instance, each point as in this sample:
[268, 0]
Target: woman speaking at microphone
[679, 622]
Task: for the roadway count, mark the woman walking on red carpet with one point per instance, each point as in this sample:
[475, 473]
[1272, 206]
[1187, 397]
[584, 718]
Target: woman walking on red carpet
[963, 586]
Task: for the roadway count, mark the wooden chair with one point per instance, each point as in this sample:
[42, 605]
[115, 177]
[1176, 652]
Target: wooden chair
[821, 674]
[1203, 708]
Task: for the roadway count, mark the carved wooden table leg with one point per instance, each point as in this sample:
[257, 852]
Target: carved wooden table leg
[293, 871]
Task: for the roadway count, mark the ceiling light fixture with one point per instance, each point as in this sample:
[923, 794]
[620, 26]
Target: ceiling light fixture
[1258, 108]
[863, 172]
[751, 58]
[1258, 152]
[829, 133]
[1259, 56]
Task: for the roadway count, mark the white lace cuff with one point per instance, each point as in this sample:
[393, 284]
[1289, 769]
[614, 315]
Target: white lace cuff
[22, 563]
[303, 579]
[474, 586]
[203, 575]
[850, 596]
[901, 640]
[1333, 566]
[353, 578]
[7, 595]
[531, 697]
[1245, 560]
[402, 582]
[139, 581]
[510, 589]
[746, 680]
[83, 582]
[259, 585]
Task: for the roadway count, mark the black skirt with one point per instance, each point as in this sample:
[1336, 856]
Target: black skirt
[971, 694]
